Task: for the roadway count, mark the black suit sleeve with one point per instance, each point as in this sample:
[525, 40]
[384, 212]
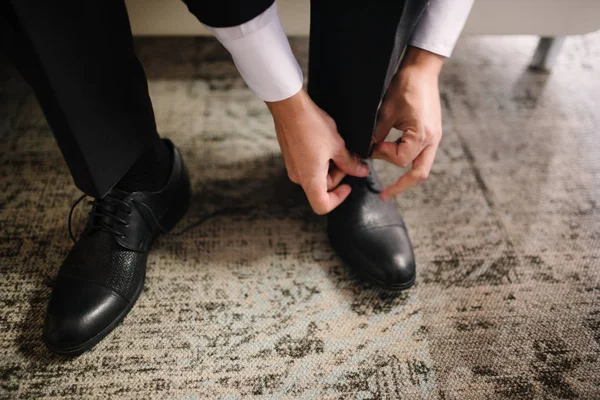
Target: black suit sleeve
[225, 13]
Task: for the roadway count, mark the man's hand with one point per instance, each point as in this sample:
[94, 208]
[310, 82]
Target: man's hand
[412, 105]
[314, 152]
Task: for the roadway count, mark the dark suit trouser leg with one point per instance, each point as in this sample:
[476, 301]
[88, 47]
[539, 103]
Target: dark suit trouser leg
[78, 57]
[355, 49]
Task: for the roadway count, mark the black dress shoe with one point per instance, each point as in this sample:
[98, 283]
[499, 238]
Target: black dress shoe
[103, 275]
[370, 235]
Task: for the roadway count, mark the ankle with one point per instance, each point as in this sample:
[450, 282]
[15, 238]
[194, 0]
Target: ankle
[151, 171]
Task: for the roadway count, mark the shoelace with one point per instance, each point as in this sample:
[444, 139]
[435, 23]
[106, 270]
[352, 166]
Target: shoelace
[108, 207]
[105, 207]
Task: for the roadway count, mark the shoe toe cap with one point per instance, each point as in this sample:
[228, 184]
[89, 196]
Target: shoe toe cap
[387, 255]
[401, 267]
[78, 312]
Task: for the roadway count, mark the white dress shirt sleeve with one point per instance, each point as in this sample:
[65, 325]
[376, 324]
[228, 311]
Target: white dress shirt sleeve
[440, 26]
[262, 54]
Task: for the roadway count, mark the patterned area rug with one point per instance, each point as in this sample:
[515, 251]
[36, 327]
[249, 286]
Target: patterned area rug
[247, 300]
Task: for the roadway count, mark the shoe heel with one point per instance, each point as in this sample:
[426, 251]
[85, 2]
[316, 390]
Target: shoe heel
[173, 217]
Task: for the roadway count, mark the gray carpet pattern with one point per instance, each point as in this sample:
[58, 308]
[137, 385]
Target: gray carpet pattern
[247, 300]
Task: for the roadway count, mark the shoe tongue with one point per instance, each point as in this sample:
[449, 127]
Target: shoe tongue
[117, 194]
[108, 205]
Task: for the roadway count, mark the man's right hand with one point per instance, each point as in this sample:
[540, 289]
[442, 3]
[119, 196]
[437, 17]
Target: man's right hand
[315, 154]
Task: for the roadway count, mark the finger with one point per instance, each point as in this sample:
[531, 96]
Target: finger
[350, 163]
[378, 153]
[338, 195]
[403, 152]
[323, 201]
[316, 192]
[383, 127]
[334, 177]
[418, 173]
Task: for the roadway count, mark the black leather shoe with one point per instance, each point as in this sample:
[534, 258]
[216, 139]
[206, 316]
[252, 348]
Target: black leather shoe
[103, 275]
[370, 235]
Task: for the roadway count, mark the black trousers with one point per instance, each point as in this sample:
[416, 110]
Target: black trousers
[78, 58]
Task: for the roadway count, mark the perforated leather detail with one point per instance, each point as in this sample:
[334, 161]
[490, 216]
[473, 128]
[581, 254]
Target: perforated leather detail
[128, 269]
[112, 250]
[98, 257]
[90, 257]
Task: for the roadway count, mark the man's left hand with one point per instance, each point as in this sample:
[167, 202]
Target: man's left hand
[411, 105]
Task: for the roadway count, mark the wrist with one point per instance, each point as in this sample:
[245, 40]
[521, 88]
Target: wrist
[422, 61]
[290, 107]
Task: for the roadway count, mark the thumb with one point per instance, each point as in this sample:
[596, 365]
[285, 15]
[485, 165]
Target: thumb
[350, 164]
[383, 127]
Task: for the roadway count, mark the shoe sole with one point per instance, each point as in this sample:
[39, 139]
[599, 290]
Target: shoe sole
[85, 346]
[346, 258]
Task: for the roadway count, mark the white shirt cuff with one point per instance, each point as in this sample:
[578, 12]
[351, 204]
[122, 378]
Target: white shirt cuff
[440, 26]
[262, 54]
